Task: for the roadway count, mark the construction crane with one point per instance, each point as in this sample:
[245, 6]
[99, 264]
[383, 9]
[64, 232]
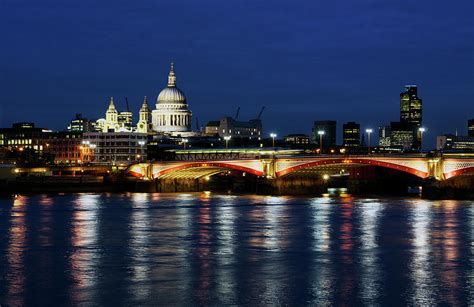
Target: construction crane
[237, 113]
[261, 111]
[126, 102]
[197, 124]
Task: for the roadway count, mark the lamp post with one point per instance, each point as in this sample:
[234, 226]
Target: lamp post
[227, 139]
[185, 141]
[92, 152]
[273, 136]
[421, 129]
[321, 133]
[141, 143]
[369, 131]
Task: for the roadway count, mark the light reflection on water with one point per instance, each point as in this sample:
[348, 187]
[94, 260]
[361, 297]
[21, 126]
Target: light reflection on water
[206, 249]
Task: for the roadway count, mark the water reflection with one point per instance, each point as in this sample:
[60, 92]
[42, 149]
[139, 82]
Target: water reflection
[225, 276]
[470, 275]
[446, 255]
[345, 257]
[140, 242]
[369, 264]
[207, 249]
[15, 276]
[322, 275]
[84, 241]
[421, 264]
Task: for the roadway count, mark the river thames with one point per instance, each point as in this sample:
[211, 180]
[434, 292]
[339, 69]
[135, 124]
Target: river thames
[214, 249]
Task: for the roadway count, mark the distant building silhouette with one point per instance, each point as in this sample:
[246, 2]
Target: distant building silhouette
[351, 134]
[329, 128]
[470, 127]
[384, 136]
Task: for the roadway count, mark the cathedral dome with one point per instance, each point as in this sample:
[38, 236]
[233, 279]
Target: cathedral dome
[172, 114]
[171, 94]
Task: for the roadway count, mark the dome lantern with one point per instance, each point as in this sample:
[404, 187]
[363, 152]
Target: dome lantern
[171, 76]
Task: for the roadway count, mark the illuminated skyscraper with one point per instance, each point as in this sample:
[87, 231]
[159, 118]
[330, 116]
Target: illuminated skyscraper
[411, 106]
[470, 127]
[411, 115]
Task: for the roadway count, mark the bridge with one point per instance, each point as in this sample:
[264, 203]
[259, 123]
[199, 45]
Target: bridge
[272, 164]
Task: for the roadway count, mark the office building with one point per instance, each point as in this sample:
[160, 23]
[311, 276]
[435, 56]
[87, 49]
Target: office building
[470, 127]
[384, 136]
[351, 134]
[411, 106]
[80, 124]
[228, 126]
[25, 136]
[114, 147]
[66, 147]
[411, 114]
[401, 135]
[296, 139]
[454, 142]
[125, 121]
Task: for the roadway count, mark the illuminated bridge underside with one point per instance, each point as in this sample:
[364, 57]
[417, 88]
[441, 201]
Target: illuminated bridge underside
[457, 167]
[193, 173]
[416, 167]
[200, 169]
[320, 170]
[440, 168]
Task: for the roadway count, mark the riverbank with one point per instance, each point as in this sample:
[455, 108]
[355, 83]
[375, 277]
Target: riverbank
[257, 186]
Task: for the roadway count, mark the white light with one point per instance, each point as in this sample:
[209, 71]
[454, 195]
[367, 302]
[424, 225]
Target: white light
[325, 176]
[227, 137]
[422, 129]
[273, 135]
[321, 132]
[368, 130]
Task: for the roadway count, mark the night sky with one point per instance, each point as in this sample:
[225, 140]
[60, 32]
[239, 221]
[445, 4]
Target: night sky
[304, 60]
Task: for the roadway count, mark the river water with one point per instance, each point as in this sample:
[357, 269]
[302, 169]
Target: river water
[210, 249]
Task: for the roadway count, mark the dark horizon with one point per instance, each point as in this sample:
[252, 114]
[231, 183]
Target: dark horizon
[303, 61]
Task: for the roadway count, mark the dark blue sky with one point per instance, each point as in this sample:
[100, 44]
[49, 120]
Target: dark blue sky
[303, 60]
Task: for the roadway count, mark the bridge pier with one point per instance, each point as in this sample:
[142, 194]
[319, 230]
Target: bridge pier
[455, 188]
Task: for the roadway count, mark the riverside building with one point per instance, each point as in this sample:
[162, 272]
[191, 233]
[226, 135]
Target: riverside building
[228, 126]
[114, 147]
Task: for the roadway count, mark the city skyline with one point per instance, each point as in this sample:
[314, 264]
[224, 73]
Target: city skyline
[302, 66]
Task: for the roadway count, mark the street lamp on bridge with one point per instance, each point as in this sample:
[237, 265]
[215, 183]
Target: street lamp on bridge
[321, 133]
[421, 129]
[369, 131]
[227, 139]
[273, 136]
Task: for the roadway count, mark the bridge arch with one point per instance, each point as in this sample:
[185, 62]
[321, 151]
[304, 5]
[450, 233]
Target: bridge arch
[459, 172]
[139, 170]
[202, 169]
[353, 161]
